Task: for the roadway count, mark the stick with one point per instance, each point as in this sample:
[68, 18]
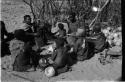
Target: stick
[93, 21]
[31, 7]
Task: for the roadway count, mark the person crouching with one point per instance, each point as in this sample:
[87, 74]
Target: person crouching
[21, 51]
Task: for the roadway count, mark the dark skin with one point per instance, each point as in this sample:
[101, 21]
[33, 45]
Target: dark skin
[4, 45]
[98, 39]
[59, 57]
[27, 20]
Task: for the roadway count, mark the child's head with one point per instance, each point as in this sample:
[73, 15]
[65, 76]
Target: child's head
[61, 26]
[27, 19]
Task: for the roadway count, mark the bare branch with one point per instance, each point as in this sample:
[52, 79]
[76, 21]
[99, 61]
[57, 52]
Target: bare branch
[94, 20]
[31, 7]
[26, 2]
[61, 4]
[52, 2]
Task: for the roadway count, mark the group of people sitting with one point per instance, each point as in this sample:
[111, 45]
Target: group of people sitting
[70, 45]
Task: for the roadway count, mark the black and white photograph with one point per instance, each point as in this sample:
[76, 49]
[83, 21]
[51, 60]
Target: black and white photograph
[61, 41]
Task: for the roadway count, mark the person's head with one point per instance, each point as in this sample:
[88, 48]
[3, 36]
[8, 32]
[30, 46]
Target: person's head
[81, 32]
[61, 26]
[72, 17]
[97, 28]
[27, 19]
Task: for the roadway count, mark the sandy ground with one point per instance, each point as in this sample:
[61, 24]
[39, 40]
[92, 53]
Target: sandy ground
[87, 70]
[12, 13]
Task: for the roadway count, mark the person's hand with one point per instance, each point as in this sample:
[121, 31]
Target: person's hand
[71, 50]
[83, 45]
[5, 37]
[35, 34]
[50, 61]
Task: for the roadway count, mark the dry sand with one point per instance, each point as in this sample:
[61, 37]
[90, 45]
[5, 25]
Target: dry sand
[12, 14]
[87, 70]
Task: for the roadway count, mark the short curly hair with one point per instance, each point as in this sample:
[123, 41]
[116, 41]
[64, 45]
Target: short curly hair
[61, 26]
[27, 16]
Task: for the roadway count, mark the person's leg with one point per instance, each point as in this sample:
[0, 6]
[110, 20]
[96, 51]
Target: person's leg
[20, 64]
[35, 59]
[4, 49]
[60, 70]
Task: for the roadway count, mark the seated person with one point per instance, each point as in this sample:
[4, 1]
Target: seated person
[41, 38]
[29, 28]
[60, 57]
[5, 37]
[80, 48]
[48, 33]
[21, 51]
[98, 39]
[73, 24]
[80, 43]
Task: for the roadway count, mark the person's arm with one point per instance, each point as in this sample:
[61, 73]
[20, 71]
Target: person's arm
[32, 34]
[54, 55]
[91, 39]
[5, 31]
[55, 32]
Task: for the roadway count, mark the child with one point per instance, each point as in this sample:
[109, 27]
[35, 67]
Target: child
[79, 46]
[60, 56]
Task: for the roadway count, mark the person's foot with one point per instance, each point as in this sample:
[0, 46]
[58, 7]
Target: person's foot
[70, 69]
[31, 69]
